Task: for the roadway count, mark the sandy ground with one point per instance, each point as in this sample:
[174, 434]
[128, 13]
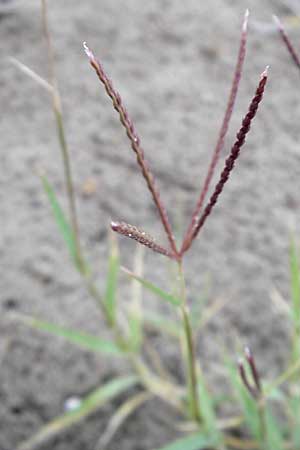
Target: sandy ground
[172, 61]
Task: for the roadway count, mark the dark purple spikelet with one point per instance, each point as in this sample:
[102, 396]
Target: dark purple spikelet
[252, 364]
[224, 127]
[140, 236]
[255, 389]
[252, 391]
[287, 42]
[135, 144]
[230, 161]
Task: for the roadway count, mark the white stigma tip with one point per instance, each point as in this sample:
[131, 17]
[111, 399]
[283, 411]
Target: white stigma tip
[88, 51]
[265, 72]
[114, 224]
[277, 22]
[247, 352]
[245, 23]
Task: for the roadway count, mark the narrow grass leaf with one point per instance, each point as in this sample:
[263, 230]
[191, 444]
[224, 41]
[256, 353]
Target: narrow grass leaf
[112, 280]
[32, 74]
[295, 408]
[295, 282]
[283, 378]
[295, 293]
[83, 340]
[207, 408]
[196, 441]
[153, 288]
[89, 405]
[60, 218]
[274, 435]
[120, 416]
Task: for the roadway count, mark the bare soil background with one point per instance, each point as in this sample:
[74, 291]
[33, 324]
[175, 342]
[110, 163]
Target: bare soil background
[172, 61]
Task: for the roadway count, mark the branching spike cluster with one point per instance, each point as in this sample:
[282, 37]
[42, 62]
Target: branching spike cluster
[224, 127]
[140, 236]
[198, 219]
[229, 164]
[135, 143]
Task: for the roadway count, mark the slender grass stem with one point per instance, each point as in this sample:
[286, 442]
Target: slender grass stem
[57, 109]
[190, 349]
[163, 388]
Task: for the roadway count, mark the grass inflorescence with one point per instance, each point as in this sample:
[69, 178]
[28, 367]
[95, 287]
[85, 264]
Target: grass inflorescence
[194, 401]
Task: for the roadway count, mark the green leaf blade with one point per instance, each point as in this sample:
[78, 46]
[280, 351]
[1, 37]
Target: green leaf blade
[83, 340]
[274, 438]
[153, 288]
[196, 441]
[60, 219]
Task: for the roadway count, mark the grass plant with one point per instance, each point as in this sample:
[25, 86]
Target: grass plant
[194, 402]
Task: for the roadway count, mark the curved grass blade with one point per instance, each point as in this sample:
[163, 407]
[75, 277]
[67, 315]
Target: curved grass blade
[207, 408]
[60, 219]
[83, 340]
[283, 378]
[295, 410]
[153, 288]
[295, 293]
[196, 441]
[120, 416]
[89, 405]
[274, 436]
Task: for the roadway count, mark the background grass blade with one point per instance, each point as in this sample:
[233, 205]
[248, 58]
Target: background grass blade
[120, 416]
[196, 441]
[295, 409]
[152, 288]
[207, 409]
[90, 404]
[274, 436]
[110, 299]
[295, 293]
[60, 218]
[83, 340]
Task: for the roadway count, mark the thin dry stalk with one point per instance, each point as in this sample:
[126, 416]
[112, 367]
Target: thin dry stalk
[229, 164]
[135, 144]
[56, 101]
[224, 128]
[140, 236]
[287, 41]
